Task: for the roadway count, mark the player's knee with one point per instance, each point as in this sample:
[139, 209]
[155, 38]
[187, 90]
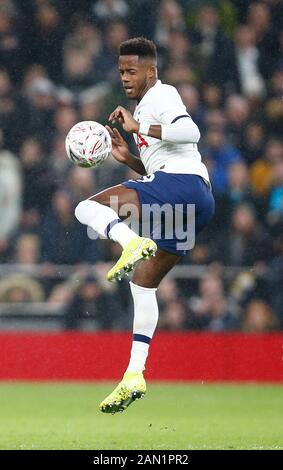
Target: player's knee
[85, 211]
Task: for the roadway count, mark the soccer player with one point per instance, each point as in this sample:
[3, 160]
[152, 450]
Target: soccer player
[174, 175]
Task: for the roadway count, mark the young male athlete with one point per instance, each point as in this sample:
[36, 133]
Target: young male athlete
[175, 175]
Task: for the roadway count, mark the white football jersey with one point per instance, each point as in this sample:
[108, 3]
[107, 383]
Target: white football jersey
[162, 104]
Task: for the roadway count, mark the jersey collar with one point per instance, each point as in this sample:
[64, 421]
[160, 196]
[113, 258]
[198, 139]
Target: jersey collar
[158, 83]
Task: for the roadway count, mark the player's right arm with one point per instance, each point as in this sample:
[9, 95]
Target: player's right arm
[121, 152]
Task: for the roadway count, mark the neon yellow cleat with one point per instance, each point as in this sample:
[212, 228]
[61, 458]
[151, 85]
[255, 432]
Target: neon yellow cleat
[137, 249]
[131, 388]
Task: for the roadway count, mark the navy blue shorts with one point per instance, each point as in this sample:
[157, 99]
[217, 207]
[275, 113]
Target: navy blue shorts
[187, 197]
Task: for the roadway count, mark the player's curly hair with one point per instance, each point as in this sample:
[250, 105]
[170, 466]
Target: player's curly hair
[141, 47]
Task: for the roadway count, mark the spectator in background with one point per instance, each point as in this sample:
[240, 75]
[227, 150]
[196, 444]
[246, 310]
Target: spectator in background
[179, 73]
[86, 35]
[274, 150]
[64, 241]
[237, 113]
[273, 106]
[12, 124]
[247, 70]
[258, 317]
[110, 10]
[167, 291]
[177, 62]
[170, 17]
[219, 155]
[202, 254]
[27, 250]
[12, 47]
[260, 171]
[82, 72]
[247, 242]
[77, 69]
[259, 21]
[239, 184]
[91, 308]
[177, 59]
[212, 48]
[276, 11]
[93, 103]
[174, 316]
[26, 254]
[275, 197]
[178, 49]
[59, 164]
[238, 192]
[191, 99]
[254, 140]
[38, 184]
[115, 33]
[65, 117]
[41, 104]
[212, 96]
[215, 119]
[211, 310]
[244, 287]
[142, 17]
[280, 55]
[274, 275]
[70, 10]
[10, 198]
[81, 183]
[47, 38]
[33, 73]
[20, 289]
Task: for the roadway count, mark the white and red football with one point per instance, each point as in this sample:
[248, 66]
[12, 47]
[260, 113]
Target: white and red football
[88, 144]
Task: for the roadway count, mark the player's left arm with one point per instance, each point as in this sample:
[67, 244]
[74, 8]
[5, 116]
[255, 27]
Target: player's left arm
[182, 130]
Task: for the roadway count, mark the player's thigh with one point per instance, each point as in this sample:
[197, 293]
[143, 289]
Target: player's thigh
[149, 273]
[118, 197]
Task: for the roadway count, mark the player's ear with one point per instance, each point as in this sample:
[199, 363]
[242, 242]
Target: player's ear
[152, 71]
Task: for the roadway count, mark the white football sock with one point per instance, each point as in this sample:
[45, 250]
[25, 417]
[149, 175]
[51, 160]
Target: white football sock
[145, 321]
[105, 221]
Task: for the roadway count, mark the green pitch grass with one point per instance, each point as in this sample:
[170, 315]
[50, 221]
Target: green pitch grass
[171, 416]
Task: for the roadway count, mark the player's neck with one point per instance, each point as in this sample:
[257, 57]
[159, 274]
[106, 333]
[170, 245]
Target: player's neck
[149, 85]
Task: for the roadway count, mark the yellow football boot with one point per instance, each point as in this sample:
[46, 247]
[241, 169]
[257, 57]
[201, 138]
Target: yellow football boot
[131, 388]
[134, 251]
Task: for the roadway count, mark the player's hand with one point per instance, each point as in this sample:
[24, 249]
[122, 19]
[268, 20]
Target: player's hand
[125, 118]
[120, 149]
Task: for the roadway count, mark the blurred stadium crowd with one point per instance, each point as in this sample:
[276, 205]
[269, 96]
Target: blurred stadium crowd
[58, 65]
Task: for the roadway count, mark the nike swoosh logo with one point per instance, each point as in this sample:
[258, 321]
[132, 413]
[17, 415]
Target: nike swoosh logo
[136, 251]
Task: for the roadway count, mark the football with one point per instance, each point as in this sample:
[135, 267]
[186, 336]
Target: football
[88, 144]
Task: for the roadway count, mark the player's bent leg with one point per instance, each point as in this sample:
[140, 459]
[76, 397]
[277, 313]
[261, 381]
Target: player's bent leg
[97, 213]
[135, 249]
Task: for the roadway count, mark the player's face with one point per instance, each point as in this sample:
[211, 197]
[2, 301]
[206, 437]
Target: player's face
[137, 75]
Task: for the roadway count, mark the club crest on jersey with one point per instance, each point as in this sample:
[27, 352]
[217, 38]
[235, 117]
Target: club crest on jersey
[141, 142]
